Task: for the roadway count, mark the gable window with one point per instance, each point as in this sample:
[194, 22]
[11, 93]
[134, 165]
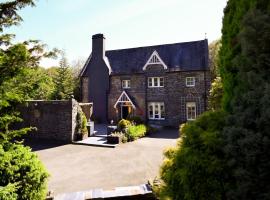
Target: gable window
[190, 81]
[156, 110]
[156, 82]
[125, 84]
[191, 110]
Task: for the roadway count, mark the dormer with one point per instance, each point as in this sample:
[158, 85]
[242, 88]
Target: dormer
[155, 59]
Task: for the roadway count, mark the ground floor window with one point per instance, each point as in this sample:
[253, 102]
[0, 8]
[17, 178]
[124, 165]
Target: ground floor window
[191, 110]
[156, 110]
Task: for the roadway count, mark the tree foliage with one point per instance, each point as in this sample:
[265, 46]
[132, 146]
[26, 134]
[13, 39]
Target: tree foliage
[214, 48]
[22, 173]
[195, 169]
[225, 154]
[64, 80]
[215, 94]
[247, 134]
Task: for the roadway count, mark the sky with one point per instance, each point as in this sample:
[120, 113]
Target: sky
[69, 24]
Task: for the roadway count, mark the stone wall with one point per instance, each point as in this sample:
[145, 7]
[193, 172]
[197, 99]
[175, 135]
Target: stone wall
[54, 120]
[174, 94]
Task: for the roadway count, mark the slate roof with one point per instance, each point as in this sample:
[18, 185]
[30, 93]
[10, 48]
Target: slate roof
[185, 56]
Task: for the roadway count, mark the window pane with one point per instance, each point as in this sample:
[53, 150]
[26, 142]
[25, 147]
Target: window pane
[191, 110]
[150, 82]
[161, 81]
[155, 82]
[150, 109]
[162, 111]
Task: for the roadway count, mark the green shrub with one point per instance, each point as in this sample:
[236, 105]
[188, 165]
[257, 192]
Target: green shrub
[136, 131]
[121, 135]
[81, 123]
[8, 192]
[196, 168]
[123, 123]
[21, 168]
[136, 120]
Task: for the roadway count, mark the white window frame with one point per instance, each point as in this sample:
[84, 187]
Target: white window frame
[190, 81]
[151, 82]
[156, 110]
[190, 105]
[126, 84]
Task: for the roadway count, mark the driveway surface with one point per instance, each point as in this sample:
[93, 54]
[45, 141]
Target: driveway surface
[78, 168]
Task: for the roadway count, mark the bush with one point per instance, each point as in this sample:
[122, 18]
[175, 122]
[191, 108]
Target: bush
[136, 131]
[81, 123]
[22, 174]
[196, 169]
[121, 135]
[8, 192]
[123, 124]
[136, 120]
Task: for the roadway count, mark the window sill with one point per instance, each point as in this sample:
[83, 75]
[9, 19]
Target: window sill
[154, 119]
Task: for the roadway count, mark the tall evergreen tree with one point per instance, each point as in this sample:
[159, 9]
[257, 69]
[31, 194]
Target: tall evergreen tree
[22, 174]
[225, 154]
[245, 64]
[64, 81]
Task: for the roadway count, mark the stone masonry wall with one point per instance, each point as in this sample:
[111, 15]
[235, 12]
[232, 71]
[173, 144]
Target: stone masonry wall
[175, 94]
[54, 120]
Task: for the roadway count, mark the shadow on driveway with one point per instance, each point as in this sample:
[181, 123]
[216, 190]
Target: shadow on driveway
[41, 144]
[168, 133]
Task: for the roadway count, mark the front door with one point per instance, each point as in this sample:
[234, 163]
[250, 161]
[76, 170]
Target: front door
[124, 112]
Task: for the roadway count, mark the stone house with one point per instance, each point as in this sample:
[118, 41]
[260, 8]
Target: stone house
[164, 84]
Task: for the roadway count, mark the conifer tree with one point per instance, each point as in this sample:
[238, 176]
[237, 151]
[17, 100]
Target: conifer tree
[64, 81]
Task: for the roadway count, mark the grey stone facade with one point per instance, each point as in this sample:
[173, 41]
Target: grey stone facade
[102, 75]
[54, 120]
[175, 94]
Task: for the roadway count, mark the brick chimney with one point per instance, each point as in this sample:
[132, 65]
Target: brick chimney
[98, 46]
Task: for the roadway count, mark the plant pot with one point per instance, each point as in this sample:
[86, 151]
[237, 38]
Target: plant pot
[81, 136]
[113, 140]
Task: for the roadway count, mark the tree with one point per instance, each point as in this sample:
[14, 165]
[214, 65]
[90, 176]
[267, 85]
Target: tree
[22, 174]
[225, 154]
[64, 81]
[77, 66]
[215, 94]
[245, 68]
[214, 48]
[196, 168]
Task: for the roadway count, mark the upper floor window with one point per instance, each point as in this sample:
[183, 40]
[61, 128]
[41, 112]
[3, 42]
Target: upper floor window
[191, 110]
[156, 82]
[190, 81]
[156, 110]
[125, 84]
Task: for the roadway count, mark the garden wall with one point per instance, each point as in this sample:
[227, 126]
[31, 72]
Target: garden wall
[55, 120]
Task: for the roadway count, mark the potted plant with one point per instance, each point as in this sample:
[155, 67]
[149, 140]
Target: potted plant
[82, 132]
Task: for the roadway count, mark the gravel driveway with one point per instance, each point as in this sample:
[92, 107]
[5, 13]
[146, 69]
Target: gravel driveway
[77, 167]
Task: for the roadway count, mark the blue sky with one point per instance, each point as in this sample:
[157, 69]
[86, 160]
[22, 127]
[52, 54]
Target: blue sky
[69, 24]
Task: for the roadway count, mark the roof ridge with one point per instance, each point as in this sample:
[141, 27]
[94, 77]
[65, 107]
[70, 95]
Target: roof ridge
[168, 44]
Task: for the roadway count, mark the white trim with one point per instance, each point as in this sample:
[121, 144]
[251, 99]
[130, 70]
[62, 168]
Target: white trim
[155, 53]
[126, 83]
[124, 94]
[190, 105]
[154, 104]
[193, 81]
[107, 62]
[153, 81]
